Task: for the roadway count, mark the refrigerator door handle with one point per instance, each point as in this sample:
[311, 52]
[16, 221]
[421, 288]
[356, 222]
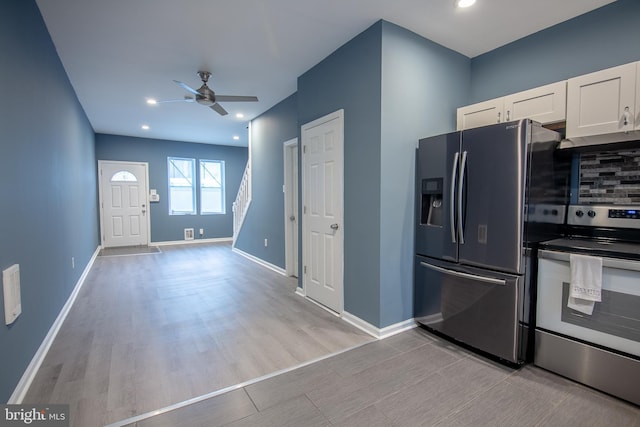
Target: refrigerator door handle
[452, 207]
[463, 163]
[484, 279]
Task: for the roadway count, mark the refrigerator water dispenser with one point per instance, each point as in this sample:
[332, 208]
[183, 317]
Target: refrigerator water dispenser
[432, 207]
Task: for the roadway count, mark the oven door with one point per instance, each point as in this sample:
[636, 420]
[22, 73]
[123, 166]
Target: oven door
[615, 322]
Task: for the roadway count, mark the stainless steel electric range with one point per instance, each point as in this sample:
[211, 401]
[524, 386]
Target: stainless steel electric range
[601, 350]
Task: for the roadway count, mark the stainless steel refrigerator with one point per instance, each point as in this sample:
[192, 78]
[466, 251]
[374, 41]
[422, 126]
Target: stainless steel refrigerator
[475, 246]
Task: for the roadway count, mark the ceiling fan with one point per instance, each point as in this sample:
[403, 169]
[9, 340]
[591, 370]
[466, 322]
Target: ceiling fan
[206, 96]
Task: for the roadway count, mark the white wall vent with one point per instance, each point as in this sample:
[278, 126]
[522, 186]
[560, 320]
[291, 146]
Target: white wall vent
[188, 234]
[11, 289]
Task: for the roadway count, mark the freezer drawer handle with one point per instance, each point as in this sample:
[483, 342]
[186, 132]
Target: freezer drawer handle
[491, 280]
[452, 198]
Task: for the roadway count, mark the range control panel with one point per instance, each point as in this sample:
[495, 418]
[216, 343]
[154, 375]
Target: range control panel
[604, 216]
[624, 213]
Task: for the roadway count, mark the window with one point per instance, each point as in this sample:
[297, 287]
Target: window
[212, 187]
[182, 186]
[123, 176]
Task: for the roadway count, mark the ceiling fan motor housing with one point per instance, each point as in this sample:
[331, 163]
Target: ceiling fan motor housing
[205, 96]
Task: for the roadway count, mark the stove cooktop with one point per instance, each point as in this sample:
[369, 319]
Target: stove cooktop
[595, 247]
[601, 230]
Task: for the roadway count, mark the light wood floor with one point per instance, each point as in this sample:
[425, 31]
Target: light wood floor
[147, 331]
[410, 379]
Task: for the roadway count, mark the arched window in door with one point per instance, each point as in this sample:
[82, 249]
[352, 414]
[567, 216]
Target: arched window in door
[123, 176]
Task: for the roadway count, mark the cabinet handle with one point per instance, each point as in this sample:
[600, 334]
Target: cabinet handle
[626, 116]
[508, 114]
[498, 118]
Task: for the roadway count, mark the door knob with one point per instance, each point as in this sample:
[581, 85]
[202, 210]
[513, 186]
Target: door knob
[292, 218]
[334, 226]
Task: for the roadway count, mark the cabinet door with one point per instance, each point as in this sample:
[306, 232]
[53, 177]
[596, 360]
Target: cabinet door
[545, 104]
[602, 102]
[480, 114]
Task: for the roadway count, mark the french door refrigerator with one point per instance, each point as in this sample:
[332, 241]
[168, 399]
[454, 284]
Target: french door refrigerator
[473, 253]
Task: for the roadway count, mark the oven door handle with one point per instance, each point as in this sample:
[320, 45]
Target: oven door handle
[619, 264]
[484, 279]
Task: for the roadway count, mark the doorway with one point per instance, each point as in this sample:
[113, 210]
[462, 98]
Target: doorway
[124, 212]
[322, 213]
[291, 206]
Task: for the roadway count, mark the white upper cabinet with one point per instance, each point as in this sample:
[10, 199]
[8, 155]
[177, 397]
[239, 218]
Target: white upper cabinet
[480, 114]
[603, 102]
[545, 104]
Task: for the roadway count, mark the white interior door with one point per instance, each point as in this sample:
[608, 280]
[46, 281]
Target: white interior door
[291, 206]
[124, 218]
[322, 162]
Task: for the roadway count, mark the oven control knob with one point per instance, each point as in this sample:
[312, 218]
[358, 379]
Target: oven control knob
[554, 212]
[579, 214]
[591, 214]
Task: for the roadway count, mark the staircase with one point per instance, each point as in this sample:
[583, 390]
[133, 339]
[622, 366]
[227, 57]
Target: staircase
[243, 200]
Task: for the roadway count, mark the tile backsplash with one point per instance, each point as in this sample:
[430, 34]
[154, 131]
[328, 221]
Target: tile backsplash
[610, 177]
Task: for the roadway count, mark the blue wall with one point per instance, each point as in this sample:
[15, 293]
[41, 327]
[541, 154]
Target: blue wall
[165, 227]
[48, 185]
[422, 85]
[395, 87]
[265, 217]
[600, 39]
[350, 79]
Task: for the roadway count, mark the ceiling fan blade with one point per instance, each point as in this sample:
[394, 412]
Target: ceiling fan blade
[234, 98]
[185, 99]
[186, 87]
[218, 109]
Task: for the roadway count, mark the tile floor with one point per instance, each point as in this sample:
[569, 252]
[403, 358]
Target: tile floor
[411, 379]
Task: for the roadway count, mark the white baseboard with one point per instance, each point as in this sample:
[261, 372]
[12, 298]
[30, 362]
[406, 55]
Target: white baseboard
[379, 333]
[262, 262]
[29, 374]
[191, 242]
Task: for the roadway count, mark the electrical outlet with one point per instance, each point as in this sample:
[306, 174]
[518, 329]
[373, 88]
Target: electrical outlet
[266, 243]
[73, 262]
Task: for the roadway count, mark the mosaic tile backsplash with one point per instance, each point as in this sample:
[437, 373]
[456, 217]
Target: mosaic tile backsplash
[610, 177]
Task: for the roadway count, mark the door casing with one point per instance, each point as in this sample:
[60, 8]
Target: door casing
[291, 206]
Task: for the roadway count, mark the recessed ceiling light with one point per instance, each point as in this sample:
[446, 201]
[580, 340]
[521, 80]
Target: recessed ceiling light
[145, 127]
[236, 137]
[239, 115]
[464, 3]
[151, 101]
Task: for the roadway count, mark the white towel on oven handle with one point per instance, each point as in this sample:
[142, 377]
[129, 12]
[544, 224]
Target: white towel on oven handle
[586, 282]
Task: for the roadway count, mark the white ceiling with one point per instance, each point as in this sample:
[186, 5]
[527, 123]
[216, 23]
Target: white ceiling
[119, 53]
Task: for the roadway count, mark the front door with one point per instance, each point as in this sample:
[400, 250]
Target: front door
[322, 157]
[124, 212]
